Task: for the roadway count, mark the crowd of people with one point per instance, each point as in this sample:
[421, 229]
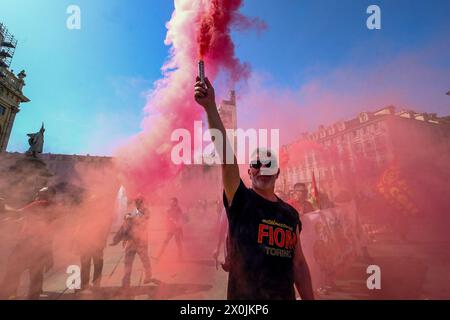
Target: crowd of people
[33, 250]
[259, 230]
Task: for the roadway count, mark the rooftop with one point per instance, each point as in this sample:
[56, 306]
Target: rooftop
[324, 132]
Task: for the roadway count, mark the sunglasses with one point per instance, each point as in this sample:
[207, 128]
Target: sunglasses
[258, 164]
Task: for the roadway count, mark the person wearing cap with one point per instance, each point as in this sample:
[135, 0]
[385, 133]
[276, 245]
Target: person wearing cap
[90, 236]
[266, 258]
[33, 250]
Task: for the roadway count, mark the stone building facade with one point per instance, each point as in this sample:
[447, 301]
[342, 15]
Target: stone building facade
[11, 85]
[372, 141]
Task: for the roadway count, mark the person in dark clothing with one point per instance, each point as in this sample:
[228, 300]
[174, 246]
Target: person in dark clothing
[91, 235]
[175, 218]
[134, 234]
[95, 257]
[33, 251]
[264, 231]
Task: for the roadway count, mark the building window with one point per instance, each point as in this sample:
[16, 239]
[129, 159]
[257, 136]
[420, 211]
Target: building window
[363, 117]
[370, 149]
[376, 126]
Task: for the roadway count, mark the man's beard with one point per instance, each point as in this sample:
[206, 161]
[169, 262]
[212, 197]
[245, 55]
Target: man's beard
[263, 182]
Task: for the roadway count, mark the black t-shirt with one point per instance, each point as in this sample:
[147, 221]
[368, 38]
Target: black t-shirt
[262, 238]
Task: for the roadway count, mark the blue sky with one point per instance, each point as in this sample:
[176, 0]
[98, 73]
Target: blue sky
[88, 86]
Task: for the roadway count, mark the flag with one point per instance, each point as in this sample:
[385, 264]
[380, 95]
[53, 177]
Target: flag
[315, 191]
[394, 188]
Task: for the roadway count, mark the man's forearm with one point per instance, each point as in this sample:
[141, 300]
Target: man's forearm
[230, 171]
[303, 282]
[215, 122]
[219, 243]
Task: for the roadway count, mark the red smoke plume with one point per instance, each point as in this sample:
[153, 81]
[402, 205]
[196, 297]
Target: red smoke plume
[196, 27]
[214, 40]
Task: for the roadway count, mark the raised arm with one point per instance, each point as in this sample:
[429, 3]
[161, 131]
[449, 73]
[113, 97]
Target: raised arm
[205, 96]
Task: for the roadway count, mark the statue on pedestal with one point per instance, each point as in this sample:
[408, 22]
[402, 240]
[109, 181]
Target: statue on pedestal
[36, 141]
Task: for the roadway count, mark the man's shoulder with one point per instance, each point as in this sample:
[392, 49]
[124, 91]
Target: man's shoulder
[290, 206]
[289, 209]
[241, 195]
[242, 186]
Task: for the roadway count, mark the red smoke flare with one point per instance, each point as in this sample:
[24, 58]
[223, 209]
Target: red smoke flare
[214, 40]
[145, 161]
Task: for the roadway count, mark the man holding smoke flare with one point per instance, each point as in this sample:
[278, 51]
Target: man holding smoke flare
[266, 258]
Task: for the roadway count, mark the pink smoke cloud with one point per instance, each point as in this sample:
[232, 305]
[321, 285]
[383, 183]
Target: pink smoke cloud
[195, 26]
[408, 80]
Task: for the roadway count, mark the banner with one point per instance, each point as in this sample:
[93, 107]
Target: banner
[331, 239]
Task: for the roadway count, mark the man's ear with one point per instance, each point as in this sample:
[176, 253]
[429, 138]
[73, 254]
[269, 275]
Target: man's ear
[248, 170]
